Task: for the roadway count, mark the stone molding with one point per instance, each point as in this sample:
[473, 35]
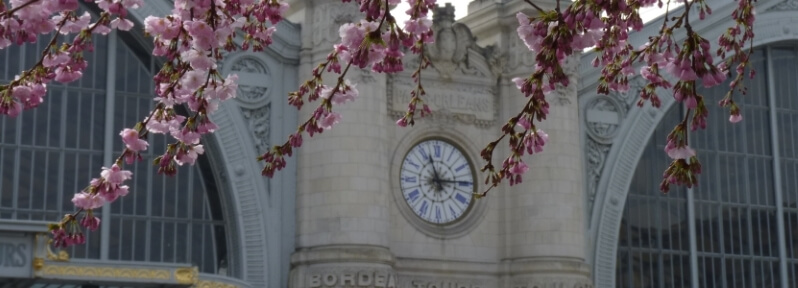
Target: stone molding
[637, 128]
[546, 272]
[248, 210]
[342, 266]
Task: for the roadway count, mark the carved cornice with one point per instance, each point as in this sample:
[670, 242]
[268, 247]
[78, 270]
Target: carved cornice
[786, 5]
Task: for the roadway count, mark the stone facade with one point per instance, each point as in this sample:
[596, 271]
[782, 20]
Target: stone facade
[353, 227]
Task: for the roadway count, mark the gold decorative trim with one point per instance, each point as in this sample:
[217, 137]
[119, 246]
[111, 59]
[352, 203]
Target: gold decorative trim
[213, 284]
[38, 263]
[187, 275]
[105, 272]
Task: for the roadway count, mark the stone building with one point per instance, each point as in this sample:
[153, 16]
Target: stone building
[370, 204]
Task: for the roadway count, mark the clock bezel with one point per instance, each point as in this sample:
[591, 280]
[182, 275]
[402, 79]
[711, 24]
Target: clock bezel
[473, 214]
[471, 167]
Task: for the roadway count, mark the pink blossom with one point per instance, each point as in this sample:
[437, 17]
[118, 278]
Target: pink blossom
[189, 155]
[87, 201]
[66, 75]
[55, 59]
[90, 221]
[329, 120]
[734, 118]
[199, 60]
[518, 167]
[228, 89]
[121, 24]
[186, 135]
[681, 152]
[194, 79]
[402, 122]
[132, 141]
[418, 26]
[524, 123]
[115, 175]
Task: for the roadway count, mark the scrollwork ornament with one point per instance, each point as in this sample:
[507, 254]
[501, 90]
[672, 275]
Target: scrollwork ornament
[254, 80]
[596, 157]
[259, 125]
[603, 116]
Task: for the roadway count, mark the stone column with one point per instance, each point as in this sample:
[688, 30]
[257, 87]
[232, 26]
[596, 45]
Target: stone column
[342, 174]
[545, 233]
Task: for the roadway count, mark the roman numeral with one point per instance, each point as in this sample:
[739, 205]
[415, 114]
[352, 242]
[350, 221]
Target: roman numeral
[413, 196]
[461, 198]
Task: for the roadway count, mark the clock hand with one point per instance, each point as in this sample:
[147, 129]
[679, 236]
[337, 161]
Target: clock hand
[453, 181]
[437, 178]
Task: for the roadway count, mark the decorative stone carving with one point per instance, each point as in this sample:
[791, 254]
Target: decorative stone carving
[473, 104]
[519, 57]
[786, 5]
[254, 80]
[412, 281]
[603, 115]
[551, 283]
[328, 18]
[259, 125]
[497, 60]
[450, 51]
[596, 155]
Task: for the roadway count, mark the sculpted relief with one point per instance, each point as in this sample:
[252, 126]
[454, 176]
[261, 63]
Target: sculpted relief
[462, 86]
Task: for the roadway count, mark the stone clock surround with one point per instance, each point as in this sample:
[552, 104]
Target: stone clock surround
[459, 227]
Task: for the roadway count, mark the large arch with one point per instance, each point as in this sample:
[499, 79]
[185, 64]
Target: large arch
[636, 128]
[261, 210]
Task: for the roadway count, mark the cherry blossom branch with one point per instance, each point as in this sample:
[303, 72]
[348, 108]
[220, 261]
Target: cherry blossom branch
[11, 11]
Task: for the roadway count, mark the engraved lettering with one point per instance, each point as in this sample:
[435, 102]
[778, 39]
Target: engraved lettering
[364, 279]
[330, 279]
[348, 279]
[13, 255]
[314, 280]
[458, 98]
[379, 280]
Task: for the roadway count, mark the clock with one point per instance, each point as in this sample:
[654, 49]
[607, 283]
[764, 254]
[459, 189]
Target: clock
[437, 181]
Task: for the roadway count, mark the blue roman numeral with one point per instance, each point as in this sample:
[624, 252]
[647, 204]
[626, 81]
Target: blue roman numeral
[423, 152]
[437, 151]
[461, 167]
[411, 163]
[438, 213]
[411, 179]
[461, 198]
[413, 196]
[462, 183]
[424, 207]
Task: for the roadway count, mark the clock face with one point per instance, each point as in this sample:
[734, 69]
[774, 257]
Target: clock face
[437, 181]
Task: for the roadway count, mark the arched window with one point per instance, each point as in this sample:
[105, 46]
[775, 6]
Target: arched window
[49, 153]
[737, 227]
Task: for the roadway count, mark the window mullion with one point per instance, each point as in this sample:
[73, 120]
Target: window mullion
[774, 140]
[108, 148]
[691, 232]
